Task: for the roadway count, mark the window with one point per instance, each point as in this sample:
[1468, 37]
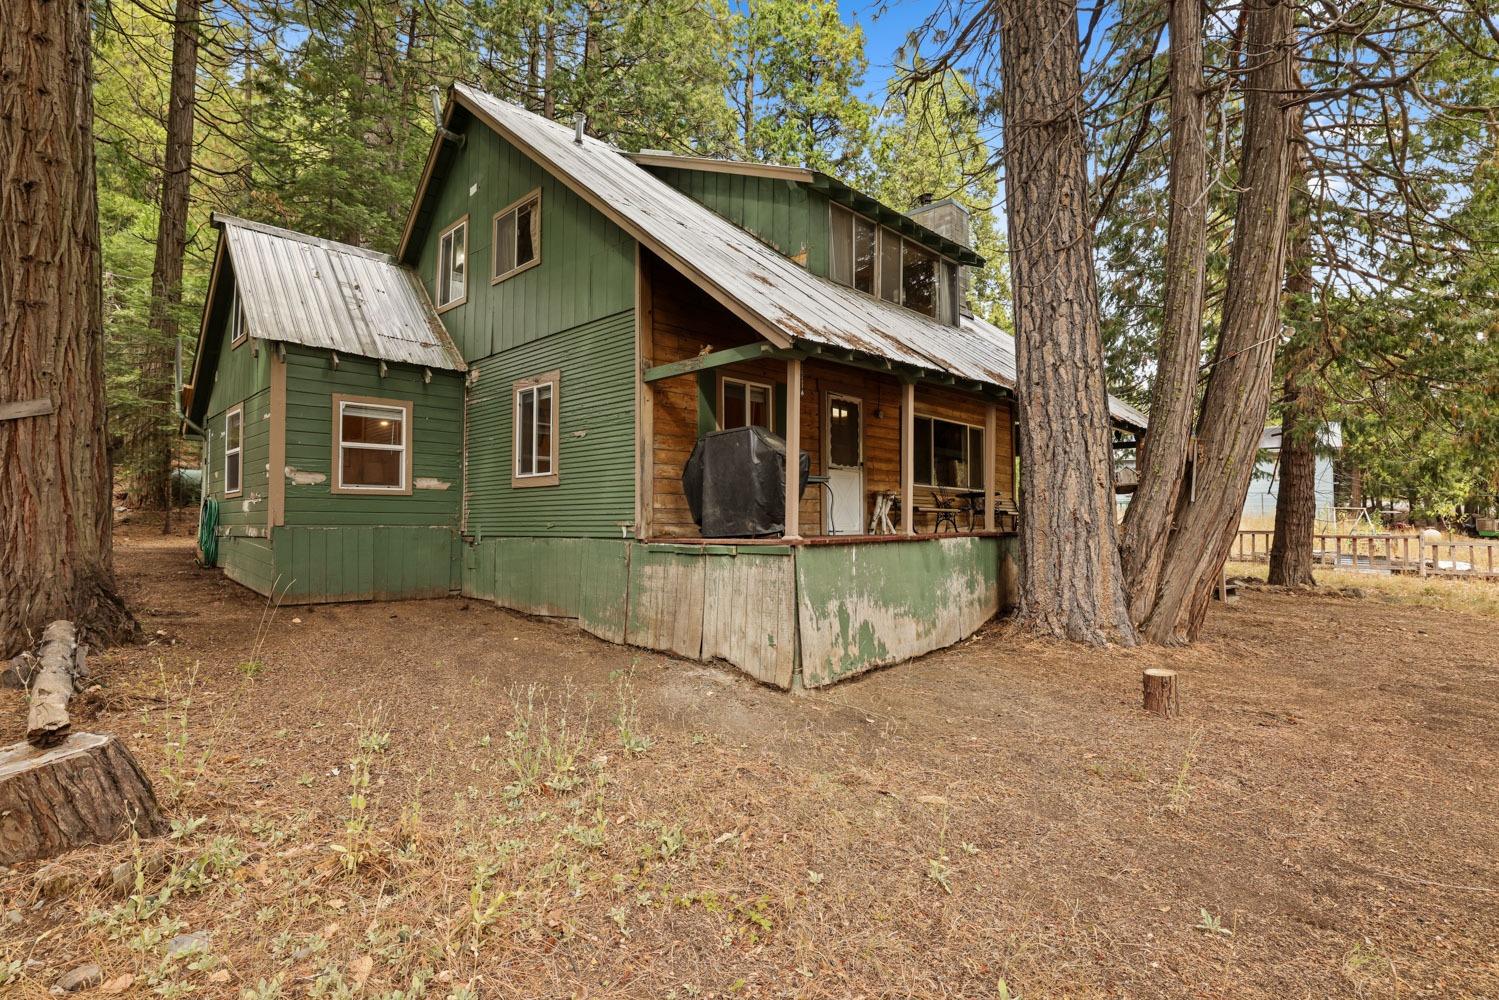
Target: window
[536, 402]
[239, 330]
[517, 237]
[745, 404]
[865, 238]
[889, 266]
[234, 449]
[841, 254]
[372, 445]
[452, 265]
[949, 455]
[918, 278]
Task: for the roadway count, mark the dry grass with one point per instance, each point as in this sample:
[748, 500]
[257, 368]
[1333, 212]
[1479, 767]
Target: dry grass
[439, 799]
[1473, 597]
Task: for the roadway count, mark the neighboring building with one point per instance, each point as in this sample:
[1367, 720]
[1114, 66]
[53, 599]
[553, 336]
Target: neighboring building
[1264, 486]
[505, 407]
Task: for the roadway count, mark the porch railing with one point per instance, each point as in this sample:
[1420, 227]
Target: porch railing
[1383, 553]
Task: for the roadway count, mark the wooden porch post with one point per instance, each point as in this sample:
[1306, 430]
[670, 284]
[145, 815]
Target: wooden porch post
[990, 441]
[908, 459]
[793, 447]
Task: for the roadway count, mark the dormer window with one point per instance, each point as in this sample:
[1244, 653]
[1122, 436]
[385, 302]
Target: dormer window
[879, 261]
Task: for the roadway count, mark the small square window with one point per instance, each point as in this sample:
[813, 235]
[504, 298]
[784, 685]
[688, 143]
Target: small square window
[452, 265]
[372, 445]
[746, 404]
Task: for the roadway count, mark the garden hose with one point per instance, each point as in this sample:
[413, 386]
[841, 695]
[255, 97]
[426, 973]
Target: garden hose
[208, 533]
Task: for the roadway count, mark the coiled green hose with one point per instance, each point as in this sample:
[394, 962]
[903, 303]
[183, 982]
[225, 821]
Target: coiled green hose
[208, 533]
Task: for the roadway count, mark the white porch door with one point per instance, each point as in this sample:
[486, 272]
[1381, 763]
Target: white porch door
[844, 513]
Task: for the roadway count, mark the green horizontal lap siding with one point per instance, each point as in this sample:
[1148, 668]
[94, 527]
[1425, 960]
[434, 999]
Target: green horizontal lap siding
[436, 442]
[785, 214]
[595, 496]
[587, 268]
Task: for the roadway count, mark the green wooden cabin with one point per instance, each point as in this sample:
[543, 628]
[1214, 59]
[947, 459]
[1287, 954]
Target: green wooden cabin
[503, 408]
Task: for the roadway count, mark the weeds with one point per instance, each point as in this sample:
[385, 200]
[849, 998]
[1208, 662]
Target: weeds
[1210, 924]
[358, 844]
[1181, 791]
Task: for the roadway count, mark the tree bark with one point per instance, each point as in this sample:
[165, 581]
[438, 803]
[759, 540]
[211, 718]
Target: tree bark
[1296, 498]
[159, 430]
[55, 518]
[59, 665]
[88, 790]
[1159, 692]
[1073, 586]
[1238, 393]
[1162, 457]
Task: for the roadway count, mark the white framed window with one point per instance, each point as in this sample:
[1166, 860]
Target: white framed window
[452, 265]
[239, 330]
[949, 454]
[537, 401]
[517, 237]
[742, 403]
[234, 450]
[371, 445]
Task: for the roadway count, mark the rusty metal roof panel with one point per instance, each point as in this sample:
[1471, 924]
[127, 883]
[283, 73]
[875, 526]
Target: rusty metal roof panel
[317, 293]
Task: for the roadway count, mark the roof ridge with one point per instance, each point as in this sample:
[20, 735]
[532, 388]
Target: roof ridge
[280, 232]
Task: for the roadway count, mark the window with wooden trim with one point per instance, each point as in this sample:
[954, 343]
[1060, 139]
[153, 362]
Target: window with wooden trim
[536, 411]
[239, 330]
[234, 450]
[742, 403]
[949, 454]
[452, 265]
[371, 445]
[517, 237]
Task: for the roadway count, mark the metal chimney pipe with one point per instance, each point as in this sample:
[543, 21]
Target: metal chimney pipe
[578, 128]
[436, 107]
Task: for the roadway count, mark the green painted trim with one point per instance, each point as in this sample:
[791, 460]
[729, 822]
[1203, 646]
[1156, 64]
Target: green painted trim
[727, 356]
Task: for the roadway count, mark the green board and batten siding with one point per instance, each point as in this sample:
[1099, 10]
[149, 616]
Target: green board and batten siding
[347, 546]
[587, 269]
[784, 214]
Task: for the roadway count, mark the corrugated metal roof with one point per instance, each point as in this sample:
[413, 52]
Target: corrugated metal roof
[781, 298]
[303, 290]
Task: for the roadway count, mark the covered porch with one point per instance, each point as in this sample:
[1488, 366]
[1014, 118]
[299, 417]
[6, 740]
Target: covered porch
[896, 451]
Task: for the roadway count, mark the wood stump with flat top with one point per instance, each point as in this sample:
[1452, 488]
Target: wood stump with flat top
[1160, 692]
[87, 789]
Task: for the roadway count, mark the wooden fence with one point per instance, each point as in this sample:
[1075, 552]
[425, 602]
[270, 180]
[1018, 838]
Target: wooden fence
[1384, 553]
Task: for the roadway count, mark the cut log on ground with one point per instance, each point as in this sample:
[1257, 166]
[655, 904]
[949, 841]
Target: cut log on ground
[87, 790]
[60, 663]
[1160, 693]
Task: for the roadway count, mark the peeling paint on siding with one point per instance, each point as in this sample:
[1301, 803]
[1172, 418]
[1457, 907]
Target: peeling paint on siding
[299, 478]
[428, 483]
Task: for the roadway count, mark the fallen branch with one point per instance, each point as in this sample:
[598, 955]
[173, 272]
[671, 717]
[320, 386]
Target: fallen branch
[59, 667]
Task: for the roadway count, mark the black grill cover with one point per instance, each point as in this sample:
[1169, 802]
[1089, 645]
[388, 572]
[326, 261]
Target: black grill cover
[735, 483]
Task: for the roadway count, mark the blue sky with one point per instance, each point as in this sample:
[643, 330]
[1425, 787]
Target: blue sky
[886, 24]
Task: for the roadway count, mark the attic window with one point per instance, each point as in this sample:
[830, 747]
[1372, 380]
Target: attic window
[452, 265]
[517, 237]
[239, 330]
[878, 261]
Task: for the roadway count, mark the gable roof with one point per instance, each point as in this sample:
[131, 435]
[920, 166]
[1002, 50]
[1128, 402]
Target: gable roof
[781, 300]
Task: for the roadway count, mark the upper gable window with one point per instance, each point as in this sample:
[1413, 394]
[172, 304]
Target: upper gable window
[239, 330]
[452, 265]
[877, 261]
[517, 237]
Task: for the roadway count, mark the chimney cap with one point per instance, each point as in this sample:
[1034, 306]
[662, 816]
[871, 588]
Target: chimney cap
[924, 198]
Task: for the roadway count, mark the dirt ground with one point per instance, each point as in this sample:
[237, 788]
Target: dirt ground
[445, 799]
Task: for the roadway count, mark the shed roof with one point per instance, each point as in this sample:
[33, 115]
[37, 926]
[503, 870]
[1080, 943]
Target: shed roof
[304, 290]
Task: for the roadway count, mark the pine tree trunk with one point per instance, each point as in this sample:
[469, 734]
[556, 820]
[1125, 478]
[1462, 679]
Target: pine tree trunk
[159, 426]
[55, 559]
[1238, 393]
[1072, 587]
[1296, 497]
[1173, 398]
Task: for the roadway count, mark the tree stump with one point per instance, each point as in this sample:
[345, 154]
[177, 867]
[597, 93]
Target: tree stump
[1160, 693]
[86, 790]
